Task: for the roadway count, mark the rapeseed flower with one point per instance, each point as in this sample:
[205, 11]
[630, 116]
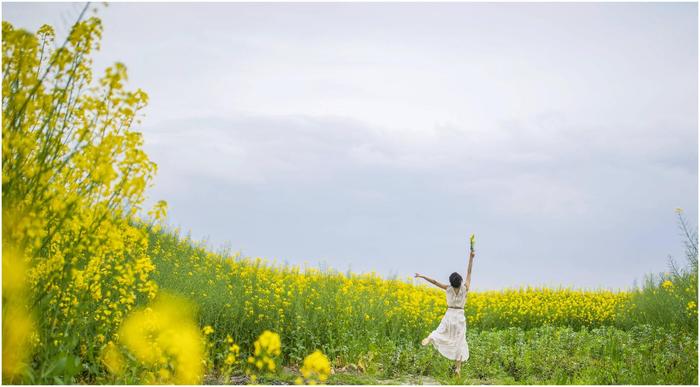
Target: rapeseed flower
[165, 334]
[316, 369]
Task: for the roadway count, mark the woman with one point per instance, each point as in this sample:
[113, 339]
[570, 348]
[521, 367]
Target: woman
[450, 337]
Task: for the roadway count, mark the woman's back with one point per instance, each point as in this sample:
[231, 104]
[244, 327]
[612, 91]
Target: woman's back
[456, 298]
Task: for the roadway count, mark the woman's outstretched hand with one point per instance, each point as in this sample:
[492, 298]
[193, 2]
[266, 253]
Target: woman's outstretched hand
[417, 275]
[472, 254]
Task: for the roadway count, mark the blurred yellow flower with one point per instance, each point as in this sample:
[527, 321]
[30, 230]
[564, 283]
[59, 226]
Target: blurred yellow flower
[18, 324]
[316, 369]
[165, 333]
[113, 359]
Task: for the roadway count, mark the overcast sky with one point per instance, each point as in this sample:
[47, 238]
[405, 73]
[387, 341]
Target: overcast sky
[378, 136]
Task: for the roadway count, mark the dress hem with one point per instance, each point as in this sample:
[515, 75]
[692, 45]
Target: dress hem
[447, 354]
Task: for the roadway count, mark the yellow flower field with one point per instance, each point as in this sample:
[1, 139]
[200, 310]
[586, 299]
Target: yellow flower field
[267, 292]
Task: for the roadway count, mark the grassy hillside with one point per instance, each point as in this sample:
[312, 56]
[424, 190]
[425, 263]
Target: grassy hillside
[367, 324]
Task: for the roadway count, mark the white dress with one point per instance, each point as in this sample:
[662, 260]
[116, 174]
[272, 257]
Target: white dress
[450, 337]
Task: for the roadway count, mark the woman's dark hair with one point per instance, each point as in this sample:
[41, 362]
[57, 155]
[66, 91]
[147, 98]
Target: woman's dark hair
[455, 280]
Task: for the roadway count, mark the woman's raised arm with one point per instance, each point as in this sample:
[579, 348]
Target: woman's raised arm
[432, 281]
[469, 269]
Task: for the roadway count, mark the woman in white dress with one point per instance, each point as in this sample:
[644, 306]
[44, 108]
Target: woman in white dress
[450, 337]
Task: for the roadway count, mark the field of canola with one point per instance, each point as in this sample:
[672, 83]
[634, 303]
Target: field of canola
[94, 292]
[368, 324]
[286, 298]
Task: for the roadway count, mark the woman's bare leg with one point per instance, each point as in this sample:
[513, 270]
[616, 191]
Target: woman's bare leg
[458, 366]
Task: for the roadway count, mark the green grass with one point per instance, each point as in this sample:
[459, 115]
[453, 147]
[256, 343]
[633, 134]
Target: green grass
[545, 355]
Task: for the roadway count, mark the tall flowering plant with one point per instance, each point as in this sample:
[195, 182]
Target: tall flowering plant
[73, 178]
